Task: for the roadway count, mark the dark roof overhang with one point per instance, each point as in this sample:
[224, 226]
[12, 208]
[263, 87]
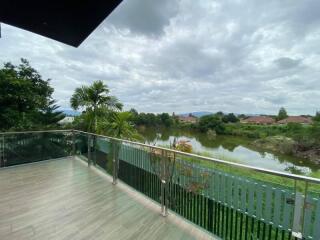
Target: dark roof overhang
[67, 21]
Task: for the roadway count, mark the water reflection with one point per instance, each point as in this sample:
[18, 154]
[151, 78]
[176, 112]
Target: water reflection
[230, 148]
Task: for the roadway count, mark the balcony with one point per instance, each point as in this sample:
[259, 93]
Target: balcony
[64, 199]
[71, 196]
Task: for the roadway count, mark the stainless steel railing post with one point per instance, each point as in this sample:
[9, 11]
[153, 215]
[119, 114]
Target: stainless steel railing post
[93, 145]
[2, 154]
[115, 160]
[89, 150]
[163, 179]
[73, 143]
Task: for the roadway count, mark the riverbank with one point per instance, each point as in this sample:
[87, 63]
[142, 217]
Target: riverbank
[286, 145]
[298, 140]
[232, 148]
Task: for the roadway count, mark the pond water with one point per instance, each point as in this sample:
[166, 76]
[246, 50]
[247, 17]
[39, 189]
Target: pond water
[230, 148]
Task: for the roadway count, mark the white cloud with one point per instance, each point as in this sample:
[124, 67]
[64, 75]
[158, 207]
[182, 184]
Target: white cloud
[177, 56]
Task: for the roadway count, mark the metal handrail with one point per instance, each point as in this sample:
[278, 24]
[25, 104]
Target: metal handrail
[215, 160]
[208, 159]
[36, 131]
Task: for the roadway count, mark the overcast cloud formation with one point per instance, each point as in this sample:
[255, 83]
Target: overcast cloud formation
[243, 56]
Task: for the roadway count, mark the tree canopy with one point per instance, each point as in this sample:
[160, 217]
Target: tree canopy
[95, 100]
[119, 124]
[151, 119]
[317, 117]
[212, 122]
[230, 118]
[282, 114]
[25, 98]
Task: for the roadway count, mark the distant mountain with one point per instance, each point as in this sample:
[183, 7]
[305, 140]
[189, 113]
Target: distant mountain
[196, 114]
[69, 112]
[200, 114]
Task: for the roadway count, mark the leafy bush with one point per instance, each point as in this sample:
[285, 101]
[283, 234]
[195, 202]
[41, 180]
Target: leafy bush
[212, 122]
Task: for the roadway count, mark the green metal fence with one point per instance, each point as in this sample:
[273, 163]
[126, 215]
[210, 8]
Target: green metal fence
[229, 200]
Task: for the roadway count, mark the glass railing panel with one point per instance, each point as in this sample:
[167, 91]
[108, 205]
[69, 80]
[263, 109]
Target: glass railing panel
[231, 202]
[20, 148]
[17, 149]
[310, 213]
[139, 169]
[55, 144]
[81, 145]
[102, 149]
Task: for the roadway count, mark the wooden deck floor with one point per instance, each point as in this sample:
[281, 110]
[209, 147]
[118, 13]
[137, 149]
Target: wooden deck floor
[64, 199]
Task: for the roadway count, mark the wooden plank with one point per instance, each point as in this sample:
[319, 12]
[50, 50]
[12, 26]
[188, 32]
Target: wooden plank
[64, 199]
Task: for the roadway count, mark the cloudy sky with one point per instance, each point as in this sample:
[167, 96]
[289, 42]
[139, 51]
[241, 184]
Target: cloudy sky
[243, 56]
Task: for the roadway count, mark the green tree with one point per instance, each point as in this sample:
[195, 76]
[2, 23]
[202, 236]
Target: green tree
[50, 115]
[212, 122]
[134, 113]
[242, 116]
[230, 118]
[282, 114]
[24, 97]
[96, 101]
[316, 118]
[219, 114]
[166, 120]
[152, 120]
[119, 125]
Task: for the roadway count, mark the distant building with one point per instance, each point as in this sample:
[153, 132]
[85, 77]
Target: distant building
[66, 120]
[188, 119]
[296, 119]
[260, 120]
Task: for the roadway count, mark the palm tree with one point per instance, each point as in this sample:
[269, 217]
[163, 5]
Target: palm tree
[50, 116]
[119, 125]
[95, 99]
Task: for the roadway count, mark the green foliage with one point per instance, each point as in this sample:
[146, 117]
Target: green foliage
[212, 122]
[306, 137]
[25, 98]
[316, 118]
[84, 122]
[119, 125]
[280, 144]
[93, 97]
[282, 114]
[96, 101]
[254, 131]
[134, 113]
[50, 114]
[230, 118]
[152, 120]
[165, 119]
